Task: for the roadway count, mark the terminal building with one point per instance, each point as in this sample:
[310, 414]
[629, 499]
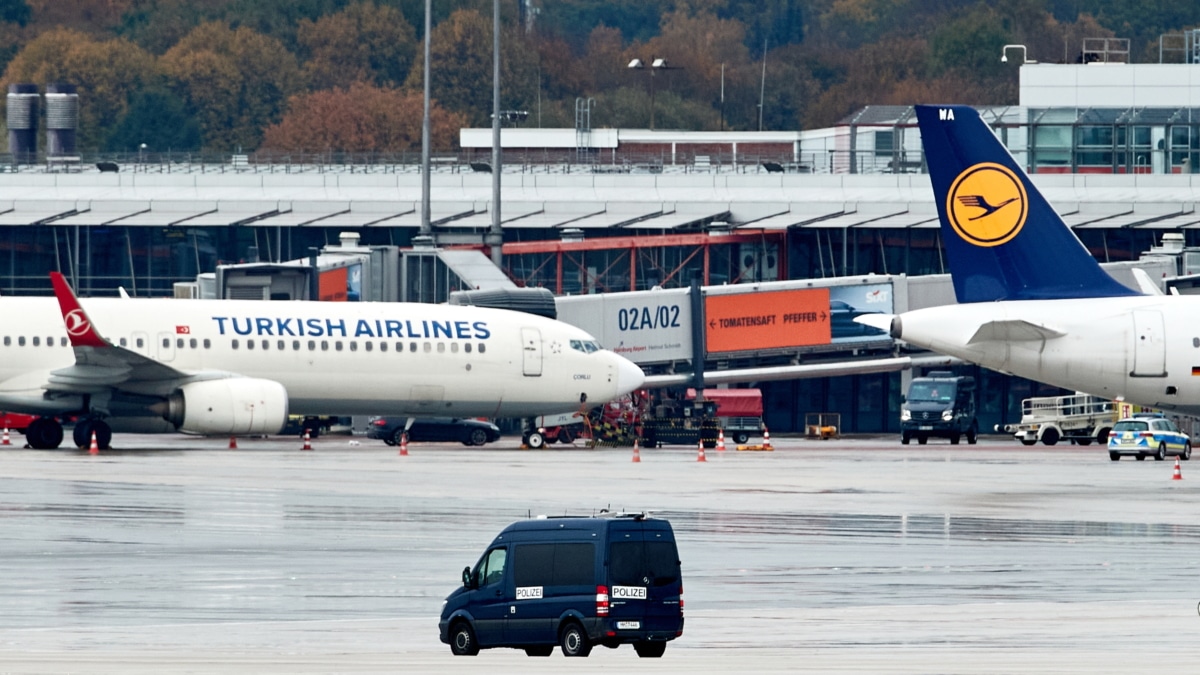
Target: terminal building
[1114, 146]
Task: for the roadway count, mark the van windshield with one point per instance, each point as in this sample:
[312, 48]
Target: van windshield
[931, 392]
[644, 563]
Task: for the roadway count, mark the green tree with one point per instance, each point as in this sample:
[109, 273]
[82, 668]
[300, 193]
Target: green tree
[237, 80]
[104, 72]
[364, 42]
[159, 119]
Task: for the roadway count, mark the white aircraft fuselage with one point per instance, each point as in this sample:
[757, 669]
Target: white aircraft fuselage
[331, 358]
[1140, 349]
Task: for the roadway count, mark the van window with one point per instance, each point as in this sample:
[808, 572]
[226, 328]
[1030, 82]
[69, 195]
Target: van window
[643, 563]
[492, 568]
[554, 564]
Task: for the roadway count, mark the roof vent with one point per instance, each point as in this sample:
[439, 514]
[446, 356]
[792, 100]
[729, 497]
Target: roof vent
[572, 234]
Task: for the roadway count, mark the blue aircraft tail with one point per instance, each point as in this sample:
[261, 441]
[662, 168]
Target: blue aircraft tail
[1003, 239]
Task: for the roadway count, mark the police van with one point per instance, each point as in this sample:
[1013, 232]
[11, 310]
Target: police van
[572, 582]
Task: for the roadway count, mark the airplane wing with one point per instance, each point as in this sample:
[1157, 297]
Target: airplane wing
[99, 364]
[1013, 330]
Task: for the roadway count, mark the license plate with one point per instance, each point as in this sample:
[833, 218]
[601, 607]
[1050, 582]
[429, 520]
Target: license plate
[925, 427]
[629, 625]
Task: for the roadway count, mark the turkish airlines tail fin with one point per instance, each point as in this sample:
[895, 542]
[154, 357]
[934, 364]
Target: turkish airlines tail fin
[1003, 239]
[79, 326]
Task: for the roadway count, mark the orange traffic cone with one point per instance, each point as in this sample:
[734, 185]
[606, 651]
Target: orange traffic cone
[307, 441]
[637, 455]
[404, 444]
[6, 441]
[767, 439]
[94, 448]
[700, 453]
[1178, 475]
[721, 441]
[233, 442]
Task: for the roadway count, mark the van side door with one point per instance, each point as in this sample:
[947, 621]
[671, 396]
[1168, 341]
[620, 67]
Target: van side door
[489, 601]
[551, 579]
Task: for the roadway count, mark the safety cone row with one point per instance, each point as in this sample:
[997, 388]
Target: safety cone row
[721, 441]
[94, 448]
[700, 452]
[404, 444]
[637, 455]
[6, 441]
[307, 441]
[767, 439]
[1178, 474]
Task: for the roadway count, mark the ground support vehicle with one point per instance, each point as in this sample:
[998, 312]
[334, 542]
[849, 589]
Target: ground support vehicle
[1079, 418]
[572, 583]
[564, 429]
[739, 412]
[1148, 435]
[679, 420]
[939, 405]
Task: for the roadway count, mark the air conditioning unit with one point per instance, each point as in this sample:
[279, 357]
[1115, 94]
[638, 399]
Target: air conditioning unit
[187, 290]
[759, 266]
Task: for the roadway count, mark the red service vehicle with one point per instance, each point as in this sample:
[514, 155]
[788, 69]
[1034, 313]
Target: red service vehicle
[739, 411]
[16, 421]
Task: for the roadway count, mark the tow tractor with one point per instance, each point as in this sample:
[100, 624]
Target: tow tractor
[1079, 418]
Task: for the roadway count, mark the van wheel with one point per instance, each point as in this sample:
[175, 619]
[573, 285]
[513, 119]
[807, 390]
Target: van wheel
[540, 650]
[954, 439]
[972, 435]
[922, 439]
[574, 641]
[462, 640]
[649, 650]
[1050, 436]
[903, 438]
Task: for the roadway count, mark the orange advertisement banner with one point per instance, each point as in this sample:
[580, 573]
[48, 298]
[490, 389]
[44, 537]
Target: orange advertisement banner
[772, 320]
[332, 285]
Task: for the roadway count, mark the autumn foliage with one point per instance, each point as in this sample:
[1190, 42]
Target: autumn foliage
[361, 118]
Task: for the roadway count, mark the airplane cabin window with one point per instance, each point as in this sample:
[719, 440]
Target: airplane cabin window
[21, 341]
[37, 341]
[577, 345]
[295, 345]
[62, 341]
[266, 344]
[368, 345]
[454, 347]
[7, 341]
[312, 345]
[482, 347]
[179, 343]
[281, 345]
[249, 344]
[467, 347]
[441, 347]
[338, 345]
[383, 346]
[412, 347]
[235, 344]
[141, 343]
[428, 347]
[354, 345]
[192, 343]
[207, 343]
[324, 345]
[166, 343]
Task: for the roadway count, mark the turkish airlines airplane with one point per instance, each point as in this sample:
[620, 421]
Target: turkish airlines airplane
[1033, 301]
[240, 367]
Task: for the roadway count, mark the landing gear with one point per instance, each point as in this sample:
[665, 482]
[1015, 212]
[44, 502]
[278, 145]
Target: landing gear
[83, 433]
[44, 433]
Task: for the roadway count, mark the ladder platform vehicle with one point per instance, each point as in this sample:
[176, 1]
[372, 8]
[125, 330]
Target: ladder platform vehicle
[1078, 418]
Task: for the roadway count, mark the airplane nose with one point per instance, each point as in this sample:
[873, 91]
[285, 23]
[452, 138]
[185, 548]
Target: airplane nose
[629, 376]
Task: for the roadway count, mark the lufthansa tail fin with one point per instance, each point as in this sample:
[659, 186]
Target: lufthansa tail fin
[1003, 239]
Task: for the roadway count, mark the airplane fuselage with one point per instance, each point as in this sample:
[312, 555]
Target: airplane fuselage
[1140, 349]
[332, 358]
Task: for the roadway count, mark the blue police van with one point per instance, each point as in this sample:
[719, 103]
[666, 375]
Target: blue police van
[571, 582]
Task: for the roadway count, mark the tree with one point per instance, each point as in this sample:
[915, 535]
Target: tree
[91, 16]
[237, 81]
[104, 72]
[364, 42]
[360, 118]
[159, 119]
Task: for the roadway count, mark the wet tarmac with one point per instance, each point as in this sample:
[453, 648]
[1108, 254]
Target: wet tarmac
[175, 554]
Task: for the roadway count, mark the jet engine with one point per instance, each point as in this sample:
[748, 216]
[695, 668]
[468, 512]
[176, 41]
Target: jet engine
[240, 405]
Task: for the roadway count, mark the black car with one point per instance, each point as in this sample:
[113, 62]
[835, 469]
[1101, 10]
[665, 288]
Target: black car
[433, 429]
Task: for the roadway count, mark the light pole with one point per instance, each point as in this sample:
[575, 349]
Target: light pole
[655, 64]
[1004, 54]
[141, 153]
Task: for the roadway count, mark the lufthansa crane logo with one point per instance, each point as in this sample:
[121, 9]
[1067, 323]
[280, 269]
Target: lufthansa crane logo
[77, 323]
[987, 204]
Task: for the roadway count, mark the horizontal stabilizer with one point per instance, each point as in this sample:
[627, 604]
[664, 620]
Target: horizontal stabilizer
[1013, 330]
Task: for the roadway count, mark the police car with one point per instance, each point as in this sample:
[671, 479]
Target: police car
[1148, 436]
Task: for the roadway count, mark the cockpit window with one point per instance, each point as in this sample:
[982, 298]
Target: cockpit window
[585, 346]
